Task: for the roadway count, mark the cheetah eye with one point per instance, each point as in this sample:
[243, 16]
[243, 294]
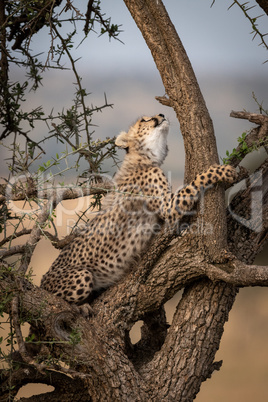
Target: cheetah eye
[142, 120]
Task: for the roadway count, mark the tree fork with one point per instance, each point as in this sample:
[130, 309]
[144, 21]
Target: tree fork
[182, 364]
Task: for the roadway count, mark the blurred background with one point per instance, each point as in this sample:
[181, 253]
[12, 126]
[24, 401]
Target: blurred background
[229, 67]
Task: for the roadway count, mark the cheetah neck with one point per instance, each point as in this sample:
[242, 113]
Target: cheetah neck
[133, 162]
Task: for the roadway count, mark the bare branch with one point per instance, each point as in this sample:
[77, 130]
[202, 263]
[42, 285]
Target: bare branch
[239, 274]
[62, 192]
[245, 8]
[35, 235]
[164, 100]
[252, 117]
[59, 243]
[20, 249]
[15, 235]
[256, 138]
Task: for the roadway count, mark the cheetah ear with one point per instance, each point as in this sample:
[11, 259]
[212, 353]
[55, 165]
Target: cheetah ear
[122, 140]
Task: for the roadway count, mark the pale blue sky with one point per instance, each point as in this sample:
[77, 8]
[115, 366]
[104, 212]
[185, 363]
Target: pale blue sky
[212, 36]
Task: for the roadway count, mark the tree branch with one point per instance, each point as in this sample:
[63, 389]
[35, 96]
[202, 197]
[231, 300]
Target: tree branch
[15, 235]
[257, 137]
[252, 117]
[28, 374]
[179, 266]
[239, 274]
[62, 193]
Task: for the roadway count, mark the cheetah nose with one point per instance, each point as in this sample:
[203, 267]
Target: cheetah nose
[162, 115]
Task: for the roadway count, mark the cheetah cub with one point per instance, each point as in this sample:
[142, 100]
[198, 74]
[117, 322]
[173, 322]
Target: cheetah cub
[104, 251]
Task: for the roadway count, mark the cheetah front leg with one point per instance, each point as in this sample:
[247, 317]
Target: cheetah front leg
[182, 202]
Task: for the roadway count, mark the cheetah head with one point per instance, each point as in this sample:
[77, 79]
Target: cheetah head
[147, 137]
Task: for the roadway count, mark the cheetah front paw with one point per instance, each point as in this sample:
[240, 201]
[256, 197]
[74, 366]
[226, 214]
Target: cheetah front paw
[229, 173]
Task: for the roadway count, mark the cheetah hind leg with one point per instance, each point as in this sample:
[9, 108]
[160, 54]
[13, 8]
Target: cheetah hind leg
[76, 289]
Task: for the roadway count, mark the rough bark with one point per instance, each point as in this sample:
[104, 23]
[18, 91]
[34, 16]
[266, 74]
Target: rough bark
[200, 315]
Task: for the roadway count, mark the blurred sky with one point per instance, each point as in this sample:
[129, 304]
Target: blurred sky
[228, 64]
